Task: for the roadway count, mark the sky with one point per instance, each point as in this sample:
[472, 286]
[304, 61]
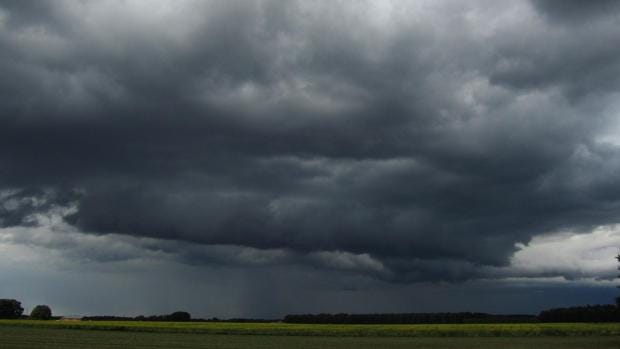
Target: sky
[261, 158]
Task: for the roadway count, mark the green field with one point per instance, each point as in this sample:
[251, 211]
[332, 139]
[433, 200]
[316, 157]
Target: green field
[47, 338]
[282, 329]
[119, 334]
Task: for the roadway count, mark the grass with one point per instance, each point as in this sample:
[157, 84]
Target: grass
[282, 329]
[12, 337]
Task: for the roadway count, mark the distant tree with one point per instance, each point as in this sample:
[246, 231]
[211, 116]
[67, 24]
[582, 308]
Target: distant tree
[618, 298]
[179, 316]
[10, 309]
[41, 312]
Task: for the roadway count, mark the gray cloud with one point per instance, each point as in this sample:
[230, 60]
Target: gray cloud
[576, 10]
[408, 144]
[20, 206]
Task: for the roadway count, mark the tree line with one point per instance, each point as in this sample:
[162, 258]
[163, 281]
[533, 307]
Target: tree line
[177, 316]
[12, 309]
[408, 318]
[589, 313]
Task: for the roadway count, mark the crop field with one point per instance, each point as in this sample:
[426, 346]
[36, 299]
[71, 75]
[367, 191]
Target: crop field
[22, 334]
[47, 338]
[283, 329]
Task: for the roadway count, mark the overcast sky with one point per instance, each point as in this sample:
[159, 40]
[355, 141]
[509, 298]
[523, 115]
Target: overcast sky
[259, 158]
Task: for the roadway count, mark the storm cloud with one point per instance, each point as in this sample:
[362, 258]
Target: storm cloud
[407, 141]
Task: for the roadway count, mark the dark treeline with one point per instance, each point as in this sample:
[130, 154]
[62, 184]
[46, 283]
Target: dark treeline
[171, 317]
[178, 316]
[407, 318]
[590, 313]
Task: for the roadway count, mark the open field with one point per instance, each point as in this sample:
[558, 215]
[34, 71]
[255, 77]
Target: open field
[47, 338]
[282, 329]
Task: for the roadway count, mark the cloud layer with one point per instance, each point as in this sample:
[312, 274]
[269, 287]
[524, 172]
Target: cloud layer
[406, 141]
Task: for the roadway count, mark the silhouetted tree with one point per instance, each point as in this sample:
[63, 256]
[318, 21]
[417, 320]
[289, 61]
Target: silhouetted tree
[618, 298]
[179, 316]
[10, 309]
[41, 312]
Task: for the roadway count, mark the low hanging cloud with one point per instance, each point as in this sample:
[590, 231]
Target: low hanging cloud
[407, 141]
[572, 256]
[553, 258]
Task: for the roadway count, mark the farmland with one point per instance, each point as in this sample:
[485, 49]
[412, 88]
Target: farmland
[81, 334]
[284, 329]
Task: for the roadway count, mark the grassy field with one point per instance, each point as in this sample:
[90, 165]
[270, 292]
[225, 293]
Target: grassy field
[281, 329]
[12, 337]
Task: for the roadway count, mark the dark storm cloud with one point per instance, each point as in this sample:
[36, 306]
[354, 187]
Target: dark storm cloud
[579, 58]
[393, 148]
